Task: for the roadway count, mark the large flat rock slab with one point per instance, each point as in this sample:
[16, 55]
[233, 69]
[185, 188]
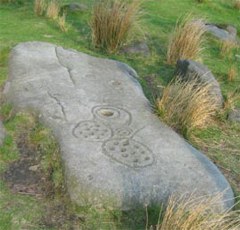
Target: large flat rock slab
[115, 151]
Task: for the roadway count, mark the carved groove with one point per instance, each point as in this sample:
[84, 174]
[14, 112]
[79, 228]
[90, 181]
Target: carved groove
[117, 143]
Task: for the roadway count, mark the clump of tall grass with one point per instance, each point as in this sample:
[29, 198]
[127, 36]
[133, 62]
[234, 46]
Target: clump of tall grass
[53, 9]
[112, 21]
[198, 214]
[40, 7]
[187, 40]
[186, 105]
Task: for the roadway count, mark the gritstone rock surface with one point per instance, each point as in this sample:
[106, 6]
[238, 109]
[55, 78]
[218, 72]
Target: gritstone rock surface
[115, 151]
[234, 115]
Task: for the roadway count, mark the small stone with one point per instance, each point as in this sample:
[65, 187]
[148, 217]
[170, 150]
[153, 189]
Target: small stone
[75, 7]
[225, 33]
[234, 115]
[140, 48]
[34, 168]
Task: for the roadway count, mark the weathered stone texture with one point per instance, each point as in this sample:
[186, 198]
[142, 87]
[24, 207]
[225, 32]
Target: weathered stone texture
[115, 151]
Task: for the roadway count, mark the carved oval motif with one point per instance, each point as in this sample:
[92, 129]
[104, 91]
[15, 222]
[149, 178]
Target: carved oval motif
[128, 152]
[92, 131]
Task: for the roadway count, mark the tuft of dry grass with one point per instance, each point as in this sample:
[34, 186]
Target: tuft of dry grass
[61, 21]
[40, 7]
[232, 99]
[187, 40]
[198, 214]
[236, 4]
[227, 47]
[112, 22]
[186, 105]
[232, 73]
[53, 9]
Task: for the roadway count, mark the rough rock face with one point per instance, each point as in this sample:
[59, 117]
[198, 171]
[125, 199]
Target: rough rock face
[188, 69]
[115, 151]
[234, 115]
[226, 34]
[2, 133]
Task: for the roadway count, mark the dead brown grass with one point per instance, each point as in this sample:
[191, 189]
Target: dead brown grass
[40, 7]
[198, 214]
[236, 4]
[186, 105]
[112, 22]
[232, 73]
[187, 40]
[227, 48]
[61, 21]
[53, 9]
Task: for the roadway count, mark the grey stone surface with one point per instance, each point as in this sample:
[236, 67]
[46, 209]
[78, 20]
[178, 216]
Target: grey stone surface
[228, 33]
[234, 115]
[115, 151]
[2, 133]
[140, 48]
[188, 69]
[232, 30]
[76, 6]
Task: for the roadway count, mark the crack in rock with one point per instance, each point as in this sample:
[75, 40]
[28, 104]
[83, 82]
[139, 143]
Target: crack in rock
[68, 69]
[60, 104]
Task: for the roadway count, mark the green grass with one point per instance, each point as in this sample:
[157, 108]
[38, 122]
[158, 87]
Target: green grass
[220, 142]
[18, 211]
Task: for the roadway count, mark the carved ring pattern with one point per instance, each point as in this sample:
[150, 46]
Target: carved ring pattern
[110, 126]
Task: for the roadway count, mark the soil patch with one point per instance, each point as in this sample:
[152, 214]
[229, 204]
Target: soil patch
[26, 176]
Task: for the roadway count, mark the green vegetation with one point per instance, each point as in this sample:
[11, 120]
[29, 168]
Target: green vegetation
[219, 141]
[111, 23]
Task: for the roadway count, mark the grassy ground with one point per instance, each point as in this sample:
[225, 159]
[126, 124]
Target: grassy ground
[22, 208]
